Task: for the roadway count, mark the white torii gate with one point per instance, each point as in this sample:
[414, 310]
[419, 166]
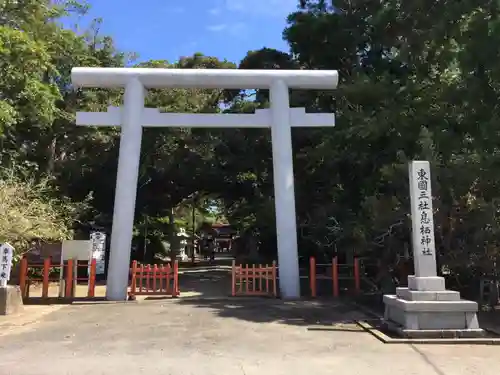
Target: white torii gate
[133, 116]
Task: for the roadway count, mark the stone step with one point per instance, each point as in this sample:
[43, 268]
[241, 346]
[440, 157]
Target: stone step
[431, 306]
[416, 295]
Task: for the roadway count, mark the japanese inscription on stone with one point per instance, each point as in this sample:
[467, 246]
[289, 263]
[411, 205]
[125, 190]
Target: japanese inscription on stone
[6, 254]
[98, 250]
[422, 218]
[424, 207]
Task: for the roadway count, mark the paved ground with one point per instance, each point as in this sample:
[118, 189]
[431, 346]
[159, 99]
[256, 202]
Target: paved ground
[219, 336]
[215, 335]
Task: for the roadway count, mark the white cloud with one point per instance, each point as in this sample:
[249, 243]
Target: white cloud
[237, 29]
[214, 11]
[218, 27]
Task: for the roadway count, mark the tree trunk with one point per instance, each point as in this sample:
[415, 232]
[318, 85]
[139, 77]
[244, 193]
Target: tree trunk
[253, 252]
[51, 156]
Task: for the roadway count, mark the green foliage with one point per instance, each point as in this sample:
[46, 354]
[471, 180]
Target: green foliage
[30, 212]
[418, 80]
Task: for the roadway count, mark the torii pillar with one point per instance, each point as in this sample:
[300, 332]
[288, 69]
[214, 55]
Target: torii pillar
[133, 116]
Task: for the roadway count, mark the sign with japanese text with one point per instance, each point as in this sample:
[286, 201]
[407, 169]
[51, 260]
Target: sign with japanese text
[6, 255]
[424, 251]
[98, 250]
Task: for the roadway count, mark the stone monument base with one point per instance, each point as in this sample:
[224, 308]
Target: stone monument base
[435, 333]
[11, 301]
[427, 309]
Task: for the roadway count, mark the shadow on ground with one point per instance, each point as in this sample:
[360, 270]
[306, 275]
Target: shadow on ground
[210, 289]
[205, 283]
[34, 301]
[264, 310]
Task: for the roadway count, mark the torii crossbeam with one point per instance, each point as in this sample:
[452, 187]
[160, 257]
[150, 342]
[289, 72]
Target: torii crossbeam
[133, 116]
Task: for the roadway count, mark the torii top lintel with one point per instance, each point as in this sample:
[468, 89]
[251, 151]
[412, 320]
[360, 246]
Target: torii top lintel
[204, 78]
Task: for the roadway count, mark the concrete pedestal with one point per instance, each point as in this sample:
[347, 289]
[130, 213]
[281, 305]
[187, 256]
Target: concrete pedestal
[11, 301]
[426, 308]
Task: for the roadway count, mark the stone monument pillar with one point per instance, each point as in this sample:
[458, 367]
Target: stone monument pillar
[11, 301]
[426, 308]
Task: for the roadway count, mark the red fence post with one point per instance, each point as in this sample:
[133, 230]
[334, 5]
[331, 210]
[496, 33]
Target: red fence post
[148, 277]
[162, 276]
[233, 278]
[252, 276]
[155, 275]
[69, 279]
[312, 276]
[261, 272]
[91, 291]
[23, 275]
[46, 272]
[141, 277]
[335, 277]
[245, 290]
[133, 282]
[269, 276]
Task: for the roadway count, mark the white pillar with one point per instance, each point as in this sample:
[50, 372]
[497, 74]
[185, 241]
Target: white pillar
[126, 191]
[284, 193]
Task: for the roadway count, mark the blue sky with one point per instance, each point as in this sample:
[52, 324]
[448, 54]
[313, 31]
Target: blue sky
[168, 29]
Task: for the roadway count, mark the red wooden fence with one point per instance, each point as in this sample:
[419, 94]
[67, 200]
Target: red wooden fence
[154, 280]
[71, 277]
[333, 276]
[254, 281]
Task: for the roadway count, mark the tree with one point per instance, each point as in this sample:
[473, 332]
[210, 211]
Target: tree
[409, 75]
[29, 212]
[417, 80]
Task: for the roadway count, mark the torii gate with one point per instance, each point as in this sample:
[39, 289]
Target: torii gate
[133, 116]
